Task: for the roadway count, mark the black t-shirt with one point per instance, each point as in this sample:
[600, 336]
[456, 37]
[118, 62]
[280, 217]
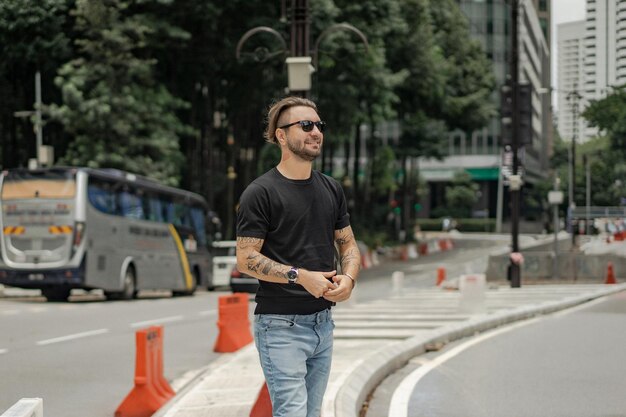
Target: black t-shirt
[297, 220]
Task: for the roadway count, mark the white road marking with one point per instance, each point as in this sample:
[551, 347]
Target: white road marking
[10, 312]
[399, 406]
[72, 337]
[207, 312]
[157, 321]
[3, 351]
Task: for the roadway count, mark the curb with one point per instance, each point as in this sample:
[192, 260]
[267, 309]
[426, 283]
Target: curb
[224, 360]
[366, 377]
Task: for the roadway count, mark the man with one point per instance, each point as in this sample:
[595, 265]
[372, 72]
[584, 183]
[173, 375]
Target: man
[287, 224]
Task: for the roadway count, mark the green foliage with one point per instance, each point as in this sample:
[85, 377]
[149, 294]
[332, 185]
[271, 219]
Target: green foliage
[462, 224]
[609, 115]
[119, 117]
[34, 35]
[383, 169]
[147, 79]
[469, 77]
[269, 157]
[461, 195]
[607, 172]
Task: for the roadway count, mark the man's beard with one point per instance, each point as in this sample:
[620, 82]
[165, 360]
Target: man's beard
[302, 152]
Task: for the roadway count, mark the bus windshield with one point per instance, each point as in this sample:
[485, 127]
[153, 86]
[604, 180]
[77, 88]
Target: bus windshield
[50, 184]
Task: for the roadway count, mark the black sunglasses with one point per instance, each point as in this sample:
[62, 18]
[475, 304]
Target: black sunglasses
[307, 125]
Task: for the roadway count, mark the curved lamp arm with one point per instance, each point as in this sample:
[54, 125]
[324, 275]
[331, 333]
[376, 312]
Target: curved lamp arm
[254, 31]
[334, 28]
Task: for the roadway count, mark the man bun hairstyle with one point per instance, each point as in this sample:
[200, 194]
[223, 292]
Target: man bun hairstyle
[277, 109]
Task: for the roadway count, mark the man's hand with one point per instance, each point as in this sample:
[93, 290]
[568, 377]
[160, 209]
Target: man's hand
[343, 290]
[316, 282]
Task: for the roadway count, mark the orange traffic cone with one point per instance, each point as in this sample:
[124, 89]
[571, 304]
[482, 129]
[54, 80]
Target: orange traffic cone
[610, 276]
[263, 405]
[441, 275]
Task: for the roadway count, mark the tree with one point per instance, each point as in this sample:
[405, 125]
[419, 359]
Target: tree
[609, 115]
[461, 195]
[35, 36]
[118, 116]
[469, 76]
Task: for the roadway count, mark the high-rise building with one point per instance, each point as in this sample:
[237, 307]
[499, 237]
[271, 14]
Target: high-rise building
[603, 42]
[570, 70]
[605, 50]
[543, 12]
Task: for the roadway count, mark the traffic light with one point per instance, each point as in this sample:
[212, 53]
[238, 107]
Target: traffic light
[506, 114]
[524, 114]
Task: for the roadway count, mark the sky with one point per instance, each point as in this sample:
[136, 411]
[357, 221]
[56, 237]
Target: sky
[563, 11]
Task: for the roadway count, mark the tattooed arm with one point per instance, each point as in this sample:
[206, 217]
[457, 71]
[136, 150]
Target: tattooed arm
[350, 260]
[252, 262]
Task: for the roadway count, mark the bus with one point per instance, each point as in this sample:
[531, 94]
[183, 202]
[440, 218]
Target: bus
[67, 228]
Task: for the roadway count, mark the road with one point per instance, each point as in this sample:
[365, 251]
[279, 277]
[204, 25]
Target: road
[79, 356]
[570, 364]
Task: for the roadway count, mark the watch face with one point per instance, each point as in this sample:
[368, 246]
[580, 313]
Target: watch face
[292, 274]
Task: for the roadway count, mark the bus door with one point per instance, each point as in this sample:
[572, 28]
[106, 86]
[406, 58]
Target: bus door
[105, 252]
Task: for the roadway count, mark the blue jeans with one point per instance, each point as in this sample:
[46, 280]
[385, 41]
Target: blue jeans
[295, 353]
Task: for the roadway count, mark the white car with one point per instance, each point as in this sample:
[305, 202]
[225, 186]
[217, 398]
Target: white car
[224, 260]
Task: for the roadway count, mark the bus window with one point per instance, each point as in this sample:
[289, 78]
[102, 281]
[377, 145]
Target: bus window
[155, 209]
[197, 217]
[130, 204]
[101, 197]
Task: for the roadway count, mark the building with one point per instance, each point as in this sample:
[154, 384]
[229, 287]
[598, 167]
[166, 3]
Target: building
[570, 68]
[605, 51]
[480, 152]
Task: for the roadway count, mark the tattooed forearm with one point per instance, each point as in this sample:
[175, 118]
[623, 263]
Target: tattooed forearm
[265, 266]
[350, 258]
[249, 242]
[344, 236]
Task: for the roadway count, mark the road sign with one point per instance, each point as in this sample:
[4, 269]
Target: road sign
[555, 197]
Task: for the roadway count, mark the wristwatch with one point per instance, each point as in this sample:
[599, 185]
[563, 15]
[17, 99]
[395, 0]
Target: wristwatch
[292, 275]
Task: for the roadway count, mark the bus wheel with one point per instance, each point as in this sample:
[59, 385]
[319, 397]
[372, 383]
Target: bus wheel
[192, 290]
[56, 294]
[129, 291]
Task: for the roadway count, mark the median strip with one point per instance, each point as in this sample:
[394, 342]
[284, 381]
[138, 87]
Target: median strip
[72, 337]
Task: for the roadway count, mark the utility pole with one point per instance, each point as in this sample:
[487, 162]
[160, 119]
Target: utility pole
[38, 125]
[515, 181]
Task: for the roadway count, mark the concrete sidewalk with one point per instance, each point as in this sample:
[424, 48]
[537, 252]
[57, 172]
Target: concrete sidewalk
[374, 339]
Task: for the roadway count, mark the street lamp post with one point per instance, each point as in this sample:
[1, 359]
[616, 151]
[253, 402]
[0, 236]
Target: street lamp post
[38, 124]
[555, 198]
[515, 182]
[299, 62]
[573, 97]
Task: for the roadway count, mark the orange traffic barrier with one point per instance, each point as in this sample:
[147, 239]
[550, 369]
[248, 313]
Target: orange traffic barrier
[151, 390]
[404, 253]
[263, 405]
[423, 249]
[233, 323]
[366, 261]
[441, 275]
[610, 276]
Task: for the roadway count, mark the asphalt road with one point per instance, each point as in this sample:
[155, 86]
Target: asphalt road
[570, 364]
[80, 356]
